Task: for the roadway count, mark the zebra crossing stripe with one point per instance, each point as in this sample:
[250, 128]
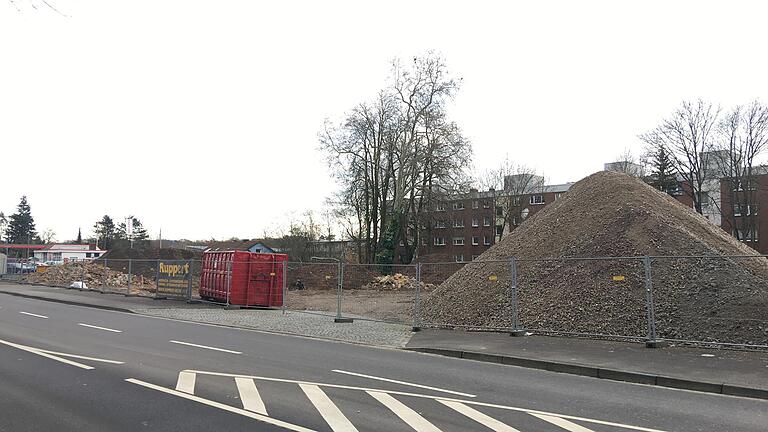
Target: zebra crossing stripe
[565, 424]
[409, 416]
[186, 382]
[485, 420]
[330, 412]
[250, 396]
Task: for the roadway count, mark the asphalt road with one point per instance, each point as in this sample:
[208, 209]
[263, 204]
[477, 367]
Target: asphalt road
[145, 373]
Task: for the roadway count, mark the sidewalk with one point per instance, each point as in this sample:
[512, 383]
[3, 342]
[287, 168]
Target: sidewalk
[738, 373]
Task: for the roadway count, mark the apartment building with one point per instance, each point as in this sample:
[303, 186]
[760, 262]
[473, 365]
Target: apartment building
[461, 227]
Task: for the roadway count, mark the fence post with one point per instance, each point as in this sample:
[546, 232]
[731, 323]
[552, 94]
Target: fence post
[229, 278]
[517, 329]
[157, 278]
[189, 281]
[651, 340]
[417, 301]
[339, 318]
[285, 285]
[130, 272]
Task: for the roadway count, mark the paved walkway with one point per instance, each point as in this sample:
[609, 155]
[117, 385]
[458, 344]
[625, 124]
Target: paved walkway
[669, 366]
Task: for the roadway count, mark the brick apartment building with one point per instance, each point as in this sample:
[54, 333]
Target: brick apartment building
[464, 226]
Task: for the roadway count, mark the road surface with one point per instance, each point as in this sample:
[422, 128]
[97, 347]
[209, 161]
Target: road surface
[70, 368]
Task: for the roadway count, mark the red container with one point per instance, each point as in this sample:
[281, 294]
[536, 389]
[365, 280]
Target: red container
[243, 278]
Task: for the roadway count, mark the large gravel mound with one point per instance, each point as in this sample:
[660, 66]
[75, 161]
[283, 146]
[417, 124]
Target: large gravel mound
[613, 215]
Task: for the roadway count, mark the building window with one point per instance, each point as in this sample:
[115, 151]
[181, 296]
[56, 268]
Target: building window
[475, 240]
[486, 221]
[486, 205]
[499, 211]
[749, 236]
[704, 199]
[459, 258]
[96, 255]
[537, 199]
[423, 241]
[486, 241]
[439, 241]
[475, 204]
[558, 195]
[440, 207]
[458, 206]
[88, 255]
[458, 241]
[499, 229]
[738, 210]
[474, 257]
[475, 223]
[439, 224]
[675, 190]
[458, 223]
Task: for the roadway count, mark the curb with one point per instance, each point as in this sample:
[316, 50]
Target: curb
[596, 372]
[69, 302]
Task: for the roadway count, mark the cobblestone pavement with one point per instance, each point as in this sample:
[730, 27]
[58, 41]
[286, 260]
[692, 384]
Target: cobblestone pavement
[299, 323]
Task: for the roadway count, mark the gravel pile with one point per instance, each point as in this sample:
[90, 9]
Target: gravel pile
[395, 282]
[613, 215]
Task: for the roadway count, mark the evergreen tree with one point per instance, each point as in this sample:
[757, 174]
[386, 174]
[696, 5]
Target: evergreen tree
[21, 228]
[105, 232]
[663, 176]
[79, 237]
[138, 233]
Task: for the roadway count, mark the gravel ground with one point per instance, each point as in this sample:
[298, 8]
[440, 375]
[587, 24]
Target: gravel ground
[300, 323]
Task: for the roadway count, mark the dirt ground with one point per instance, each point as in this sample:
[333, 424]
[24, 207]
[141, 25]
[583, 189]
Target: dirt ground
[391, 306]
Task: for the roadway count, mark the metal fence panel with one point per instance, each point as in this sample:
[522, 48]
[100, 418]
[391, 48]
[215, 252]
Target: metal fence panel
[379, 292]
[312, 287]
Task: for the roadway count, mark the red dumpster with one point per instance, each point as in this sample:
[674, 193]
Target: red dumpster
[243, 278]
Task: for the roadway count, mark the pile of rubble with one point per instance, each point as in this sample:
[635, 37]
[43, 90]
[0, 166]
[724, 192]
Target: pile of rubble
[93, 275]
[396, 282]
[721, 298]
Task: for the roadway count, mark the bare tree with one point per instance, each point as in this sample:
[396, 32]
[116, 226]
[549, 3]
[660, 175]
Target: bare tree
[48, 236]
[743, 137]
[394, 156]
[688, 135]
[510, 183]
[626, 163]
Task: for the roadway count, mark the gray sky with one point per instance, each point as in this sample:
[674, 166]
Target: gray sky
[201, 117]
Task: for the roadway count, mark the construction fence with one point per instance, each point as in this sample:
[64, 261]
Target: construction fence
[719, 300]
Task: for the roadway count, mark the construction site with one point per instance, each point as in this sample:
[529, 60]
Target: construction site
[612, 258]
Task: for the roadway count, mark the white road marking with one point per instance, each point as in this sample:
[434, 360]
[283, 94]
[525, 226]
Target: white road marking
[53, 355]
[186, 382]
[565, 424]
[409, 416]
[330, 412]
[485, 420]
[404, 383]
[205, 347]
[438, 398]
[222, 406]
[249, 395]
[34, 315]
[100, 328]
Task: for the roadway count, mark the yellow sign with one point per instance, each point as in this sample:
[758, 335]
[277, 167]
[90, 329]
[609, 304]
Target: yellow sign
[493, 278]
[618, 278]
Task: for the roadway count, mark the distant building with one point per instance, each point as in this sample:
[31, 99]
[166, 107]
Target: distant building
[625, 167]
[239, 245]
[68, 252]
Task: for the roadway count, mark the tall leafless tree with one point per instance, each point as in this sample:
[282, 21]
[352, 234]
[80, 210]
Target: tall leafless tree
[689, 137]
[510, 183]
[743, 137]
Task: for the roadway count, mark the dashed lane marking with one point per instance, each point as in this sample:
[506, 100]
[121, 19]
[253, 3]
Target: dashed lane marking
[32, 314]
[404, 383]
[205, 347]
[100, 328]
[186, 382]
[330, 412]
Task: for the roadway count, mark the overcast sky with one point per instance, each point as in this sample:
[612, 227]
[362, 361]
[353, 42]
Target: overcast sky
[201, 117]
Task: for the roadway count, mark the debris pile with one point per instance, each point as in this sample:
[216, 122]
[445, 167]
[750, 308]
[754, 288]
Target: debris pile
[722, 299]
[93, 275]
[396, 282]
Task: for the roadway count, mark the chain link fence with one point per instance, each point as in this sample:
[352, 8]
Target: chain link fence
[707, 300]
